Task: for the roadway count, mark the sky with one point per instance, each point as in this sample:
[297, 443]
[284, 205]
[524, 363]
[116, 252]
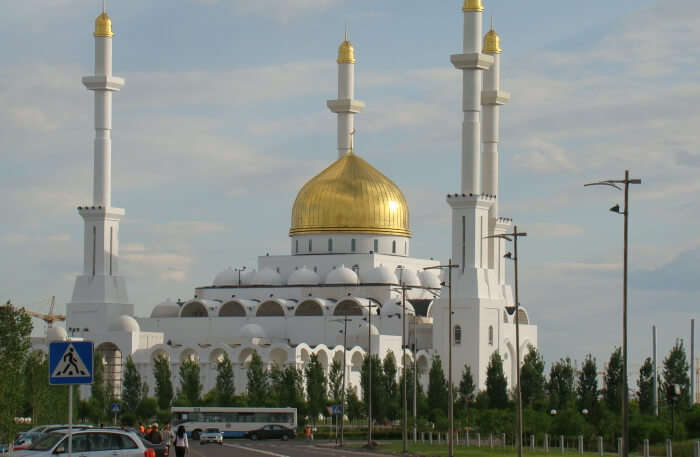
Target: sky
[223, 118]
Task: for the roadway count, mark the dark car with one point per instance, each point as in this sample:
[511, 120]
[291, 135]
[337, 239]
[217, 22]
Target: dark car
[272, 432]
[161, 449]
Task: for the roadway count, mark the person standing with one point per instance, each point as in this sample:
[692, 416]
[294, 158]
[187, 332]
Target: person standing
[155, 437]
[181, 445]
[168, 437]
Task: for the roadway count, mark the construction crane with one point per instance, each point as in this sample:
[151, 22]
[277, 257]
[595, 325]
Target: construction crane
[48, 318]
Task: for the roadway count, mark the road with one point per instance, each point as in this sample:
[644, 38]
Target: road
[271, 448]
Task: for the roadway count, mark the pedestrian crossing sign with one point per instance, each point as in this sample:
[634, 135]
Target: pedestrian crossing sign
[70, 362]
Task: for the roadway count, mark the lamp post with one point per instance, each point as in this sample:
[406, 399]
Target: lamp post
[370, 305]
[616, 209]
[239, 270]
[415, 382]
[404, 433]
[515, 310]
[449, 266]
[345, 321]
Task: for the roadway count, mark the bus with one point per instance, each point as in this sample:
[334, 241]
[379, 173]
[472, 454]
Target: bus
[233, 422]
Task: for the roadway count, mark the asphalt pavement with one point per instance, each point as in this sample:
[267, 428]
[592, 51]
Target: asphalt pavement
[273, 448]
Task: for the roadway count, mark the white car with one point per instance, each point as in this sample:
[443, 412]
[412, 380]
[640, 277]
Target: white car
[211, 435]
[93, 442]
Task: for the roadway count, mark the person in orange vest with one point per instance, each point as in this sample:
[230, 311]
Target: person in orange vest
[307, 433]
[142, 429]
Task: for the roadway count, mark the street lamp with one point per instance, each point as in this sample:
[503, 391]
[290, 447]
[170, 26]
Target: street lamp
[239, 270]
[515, 310]
[403, 360]
[450, 414]
[345, 321]
[675, 393]
[370, 305]
[616, 209]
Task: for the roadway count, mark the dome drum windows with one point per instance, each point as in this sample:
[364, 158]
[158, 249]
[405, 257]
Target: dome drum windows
[490, 335]
[457, 335]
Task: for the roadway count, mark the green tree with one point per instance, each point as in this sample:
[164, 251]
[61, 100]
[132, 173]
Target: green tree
[496, 384]
[561, 385]
[132, 389]
[466, 386]
[438, 395]
[676, 372]
[15, 328]
[315, 387]
[532, 380]
[99, 397]
[391, 388]
[291, 391]
[274, 380]
[587, 385]
[335, 382]
[164, 382]
[225, 387]
[355, 408]
[190, 385]
[612, 381]
[378, 394]
[645, 387]
[257, 382]
[148, 408]
[37, 388]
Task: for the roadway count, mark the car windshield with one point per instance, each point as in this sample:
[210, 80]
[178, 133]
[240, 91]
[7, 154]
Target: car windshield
[46, 442]
[212, 430]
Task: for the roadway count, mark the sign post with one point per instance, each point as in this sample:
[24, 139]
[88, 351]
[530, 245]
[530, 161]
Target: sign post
[70, 363]
[116, 409]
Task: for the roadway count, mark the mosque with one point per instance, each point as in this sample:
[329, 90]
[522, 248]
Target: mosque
[349, 258]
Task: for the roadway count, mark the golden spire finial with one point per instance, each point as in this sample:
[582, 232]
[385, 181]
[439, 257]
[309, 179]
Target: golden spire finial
[103, 23]
[352, 141]
[492, 42]
[346, 52]
[473, 5]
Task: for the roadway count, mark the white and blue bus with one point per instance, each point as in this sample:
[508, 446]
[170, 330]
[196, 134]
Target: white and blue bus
[233, 422]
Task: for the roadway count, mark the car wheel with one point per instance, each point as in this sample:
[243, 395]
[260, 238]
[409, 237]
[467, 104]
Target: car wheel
[195, 435]
[254, 436]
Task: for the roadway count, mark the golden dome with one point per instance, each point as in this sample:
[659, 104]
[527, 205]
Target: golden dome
[103, 26]
[473, 5]
[346, 52]
[350, 196]
[492, 43]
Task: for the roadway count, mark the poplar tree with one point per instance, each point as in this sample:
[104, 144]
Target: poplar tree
[164, 383]
[676, 372]
[438, 395]
[613, 381]
[587, 385]
[335, 382]
[532, 380]
[98, 393]
[132, 387]
[257, 382]
[561, 384]
[496, 383]
[645, 387]
[225, 387]
[190, 385]
[315, 387]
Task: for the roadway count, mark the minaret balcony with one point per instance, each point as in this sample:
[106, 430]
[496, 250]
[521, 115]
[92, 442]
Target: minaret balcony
[345, 105]
[473, 61]
[103, 82]
[494, 97]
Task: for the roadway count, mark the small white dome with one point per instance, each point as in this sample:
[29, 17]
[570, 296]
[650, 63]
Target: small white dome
[228, 277]
[267, 277]
[56, 334]
[342, 275]
[125, 323]
[166, 309]
[430, 278]
[247, 277]
[407, 276]
[394, 307]
[303, 277]
[381, 274]
[361, 330]
[252, 331]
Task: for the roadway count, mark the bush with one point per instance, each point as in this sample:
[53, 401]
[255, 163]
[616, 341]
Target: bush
[692, 421]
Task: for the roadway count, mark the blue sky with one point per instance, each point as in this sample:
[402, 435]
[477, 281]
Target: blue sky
[223, 118]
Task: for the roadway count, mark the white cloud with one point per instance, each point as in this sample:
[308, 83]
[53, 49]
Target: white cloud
[283, 10]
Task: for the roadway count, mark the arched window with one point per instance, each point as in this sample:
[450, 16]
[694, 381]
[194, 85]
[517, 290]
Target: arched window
[297, 246]
[393, 247]
[490, 335]
[505, 317]
[353, 245]
[376, 245]
[310, 245]
[405, 248]
[330, 244]
[458, 334]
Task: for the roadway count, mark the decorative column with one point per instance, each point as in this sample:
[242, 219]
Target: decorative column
[345, 106]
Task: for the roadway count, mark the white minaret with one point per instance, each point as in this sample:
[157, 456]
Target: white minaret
[100, 292]
[472, 63]
[345, 106]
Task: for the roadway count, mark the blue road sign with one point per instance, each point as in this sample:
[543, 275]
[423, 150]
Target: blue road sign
[70, 362]
[116, 408]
